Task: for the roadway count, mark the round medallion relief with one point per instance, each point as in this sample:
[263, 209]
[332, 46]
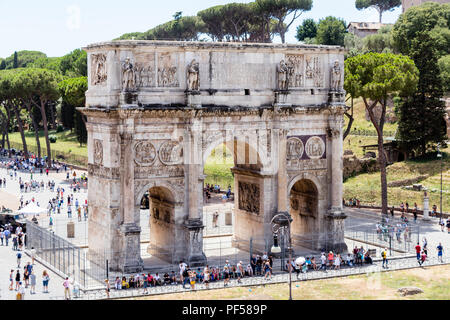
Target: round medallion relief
[171, 153]
[315, 148]
[145, 153]
[294, 149]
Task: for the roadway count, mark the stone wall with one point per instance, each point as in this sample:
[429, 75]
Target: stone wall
[354, 165]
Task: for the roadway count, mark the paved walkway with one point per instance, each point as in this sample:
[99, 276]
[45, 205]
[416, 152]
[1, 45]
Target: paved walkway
[8, 262]
[398, 264]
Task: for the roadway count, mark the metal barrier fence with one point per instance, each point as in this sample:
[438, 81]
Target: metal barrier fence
[62, 256]
[371, 272]
[397, 239]
[91, 269]
[370, 133]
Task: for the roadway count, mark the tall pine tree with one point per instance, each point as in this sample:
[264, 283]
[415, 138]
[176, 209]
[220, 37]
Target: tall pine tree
[16, 61]
[421, 117]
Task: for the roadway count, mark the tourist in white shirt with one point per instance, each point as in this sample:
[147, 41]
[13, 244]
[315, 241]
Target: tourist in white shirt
[337, 262]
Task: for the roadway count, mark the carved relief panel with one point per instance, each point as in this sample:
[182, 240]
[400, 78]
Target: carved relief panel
[336, 76]
[294, 149]
[249, 197]
[314, 71]
[168, 70]
[315, 147]
[98, 152]
[306, 152]
[171, 153]
[145, 153]
[295, 65]
[99, 73]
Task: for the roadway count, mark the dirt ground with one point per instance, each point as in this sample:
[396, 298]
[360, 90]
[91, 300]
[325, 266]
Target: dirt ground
[434, 281]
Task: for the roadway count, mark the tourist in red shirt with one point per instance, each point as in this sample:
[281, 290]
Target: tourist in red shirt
[418, 249]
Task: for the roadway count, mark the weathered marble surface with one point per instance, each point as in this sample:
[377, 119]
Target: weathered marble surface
[179, 101]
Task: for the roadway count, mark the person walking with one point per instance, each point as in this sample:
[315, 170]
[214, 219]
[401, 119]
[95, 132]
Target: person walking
[323, 262]
[45, 280]
[418, 250]
[66, 285]
[145, 284]
[337, 262]
[17, 280]
[21, 292]
[442, 224]
[215, 219]
[226, 276]
[32, 283]
[2, 235]
[267, 271]
[423, 257]
[19, 257]
[385, 260]
[108, 288]
[439, 250]
[11, 280]
[330, 259]
[206, 276]
[240, 271]
[15, 243]
[448, 228]
[7, 234]
[424, 245]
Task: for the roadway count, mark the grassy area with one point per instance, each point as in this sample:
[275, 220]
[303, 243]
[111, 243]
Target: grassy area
[360, 122]
[217, 168]
[366, 187]
[434, 281]
[354, 142]
[66, 142]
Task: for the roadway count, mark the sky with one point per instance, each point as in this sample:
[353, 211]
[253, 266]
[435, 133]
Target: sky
[56, 27]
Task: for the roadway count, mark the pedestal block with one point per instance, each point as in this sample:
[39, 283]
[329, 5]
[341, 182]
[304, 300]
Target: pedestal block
[335, 235]
[131, 253]
[196, 256]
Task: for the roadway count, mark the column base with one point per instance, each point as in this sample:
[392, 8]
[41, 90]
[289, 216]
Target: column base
[196, 257]
[131, 260]
[335, 238]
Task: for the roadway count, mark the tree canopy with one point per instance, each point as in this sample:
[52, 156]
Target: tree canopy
[308, 29]
[422, 33]
[281, 9]
[380, 5]
[375, 77]
[331, 31]
[23, 59]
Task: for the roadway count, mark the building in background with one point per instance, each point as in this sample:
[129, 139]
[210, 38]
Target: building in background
[364, 29]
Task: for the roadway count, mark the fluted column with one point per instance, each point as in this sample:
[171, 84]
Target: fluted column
[194, 225]
[336, 169]
[282, 173]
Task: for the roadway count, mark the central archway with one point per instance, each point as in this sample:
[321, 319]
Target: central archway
[249, 185]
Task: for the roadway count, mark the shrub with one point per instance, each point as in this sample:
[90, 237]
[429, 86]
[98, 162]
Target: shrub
[52, 139]
[59, 129]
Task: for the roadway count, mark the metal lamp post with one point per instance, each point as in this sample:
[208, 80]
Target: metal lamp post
[282, 222]
[439, 155]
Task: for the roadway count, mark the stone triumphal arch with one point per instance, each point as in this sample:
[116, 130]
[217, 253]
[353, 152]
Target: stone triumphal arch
[157, 109]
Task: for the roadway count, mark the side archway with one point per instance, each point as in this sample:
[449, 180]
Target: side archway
[304, 199]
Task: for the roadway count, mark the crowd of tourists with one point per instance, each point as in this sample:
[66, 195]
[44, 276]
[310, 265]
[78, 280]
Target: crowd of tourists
[209, 189]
